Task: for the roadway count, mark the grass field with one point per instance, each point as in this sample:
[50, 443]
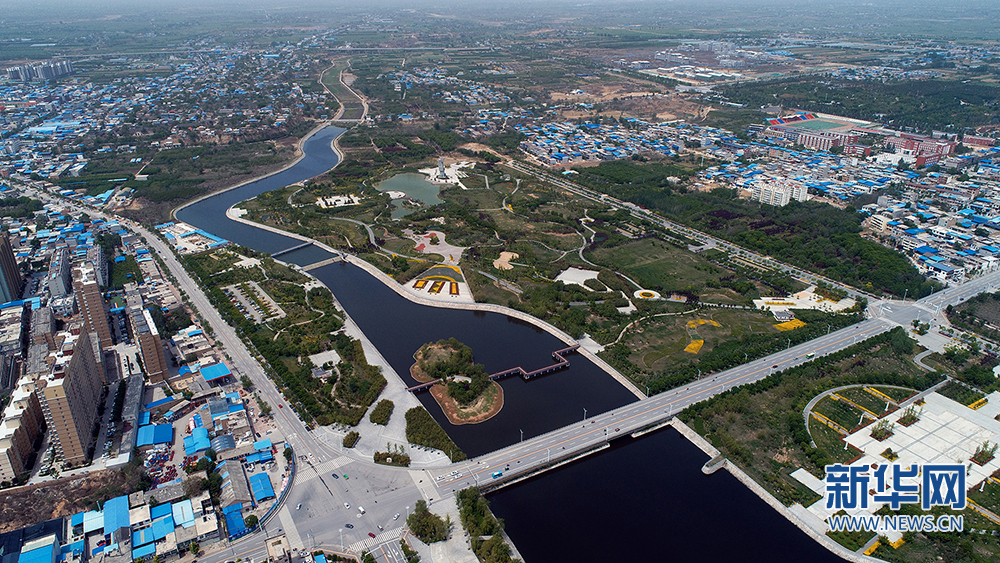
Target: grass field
[353, 107]
[864, 399]
[840, 412]
[660, 342]
[654, 264]
[829, 440]
[819, 124]
[960, 393]
[896, 394]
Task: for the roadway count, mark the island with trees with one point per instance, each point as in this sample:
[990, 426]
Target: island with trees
[465, 393]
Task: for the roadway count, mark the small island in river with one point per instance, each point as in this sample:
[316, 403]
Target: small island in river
[465, 392]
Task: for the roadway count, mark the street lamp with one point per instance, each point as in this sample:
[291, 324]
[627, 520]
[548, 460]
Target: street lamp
[789, 344]
[522, 434]
[341, 538]
[585, 412]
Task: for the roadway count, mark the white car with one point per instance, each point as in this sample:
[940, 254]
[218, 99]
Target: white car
[347, 505]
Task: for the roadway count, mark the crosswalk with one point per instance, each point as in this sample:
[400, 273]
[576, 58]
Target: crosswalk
[370, 542]
[333, 464]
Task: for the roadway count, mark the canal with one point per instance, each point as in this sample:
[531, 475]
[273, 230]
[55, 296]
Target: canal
[644, 498]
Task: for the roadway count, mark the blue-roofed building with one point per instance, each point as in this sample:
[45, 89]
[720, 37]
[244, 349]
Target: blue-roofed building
[197, 442]
[42, 550]
[215, 372]
[260, 485]
[154, 434]
[159, 511]
[183, 513]
[116, 514]
[234, 521]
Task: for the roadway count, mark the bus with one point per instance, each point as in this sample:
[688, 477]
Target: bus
[810, 355]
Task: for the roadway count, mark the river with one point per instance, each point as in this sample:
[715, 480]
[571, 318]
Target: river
[644, 497]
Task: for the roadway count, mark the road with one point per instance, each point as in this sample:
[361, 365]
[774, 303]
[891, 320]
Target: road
[594, 431]
[382, 490]
[704, 239]
[322, 519]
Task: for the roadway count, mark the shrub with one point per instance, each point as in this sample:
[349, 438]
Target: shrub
[382, 412]
[351, 438]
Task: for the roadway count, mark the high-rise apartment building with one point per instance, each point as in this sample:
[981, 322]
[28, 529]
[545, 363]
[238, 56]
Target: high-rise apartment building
[58, 278]
[145, 335]
[10, 275]
[69, 395]
[90, 300]
[20, 427]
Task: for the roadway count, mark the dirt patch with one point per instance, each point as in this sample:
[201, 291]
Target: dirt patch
[24, 506]
[482, 409]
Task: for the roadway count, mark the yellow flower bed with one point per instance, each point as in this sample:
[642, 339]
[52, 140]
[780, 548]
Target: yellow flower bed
[694, 346]
[790, 325]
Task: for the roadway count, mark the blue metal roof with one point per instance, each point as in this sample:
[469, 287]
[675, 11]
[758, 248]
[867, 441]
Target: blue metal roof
[159, 511]
[211, 373]
[116, 514]
[260, 484]
[154, 434]
[197, 442]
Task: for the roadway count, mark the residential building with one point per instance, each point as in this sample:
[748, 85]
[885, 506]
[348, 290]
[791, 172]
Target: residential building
[778, 193]
[21, 425]
[69, 395]
[91, 302]
[144, 334]
[10, 275]
[58, 278]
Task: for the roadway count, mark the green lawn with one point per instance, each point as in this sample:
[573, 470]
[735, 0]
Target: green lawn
[829, 440]
[864, 399]
[123, 272]
[840, 412]
[960, 393]
[657, 265]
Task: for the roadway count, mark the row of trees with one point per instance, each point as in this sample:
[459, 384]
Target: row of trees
[811, 235]
[479, 522]
[423, 430]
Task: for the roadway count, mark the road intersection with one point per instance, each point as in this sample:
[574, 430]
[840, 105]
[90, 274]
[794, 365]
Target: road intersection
[323, 517]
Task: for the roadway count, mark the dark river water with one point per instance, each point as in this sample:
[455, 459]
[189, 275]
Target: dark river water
[646, 499]
[641, 498]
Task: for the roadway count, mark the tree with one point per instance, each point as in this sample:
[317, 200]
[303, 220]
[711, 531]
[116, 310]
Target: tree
[426, 525]
[288, 454]
[195, 548]
[247, 383]
[250, 521]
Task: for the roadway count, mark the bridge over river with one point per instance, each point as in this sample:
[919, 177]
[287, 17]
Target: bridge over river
[538, 453]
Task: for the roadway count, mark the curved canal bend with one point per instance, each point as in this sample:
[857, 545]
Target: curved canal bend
[499, 342]
[613, 497]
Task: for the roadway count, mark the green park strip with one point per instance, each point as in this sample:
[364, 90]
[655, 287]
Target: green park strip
[350, 388]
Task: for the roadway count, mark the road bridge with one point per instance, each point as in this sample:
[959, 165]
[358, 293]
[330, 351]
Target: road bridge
[540, 453]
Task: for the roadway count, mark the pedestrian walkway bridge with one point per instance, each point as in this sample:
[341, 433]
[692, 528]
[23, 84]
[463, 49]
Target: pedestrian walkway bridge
[560, 363]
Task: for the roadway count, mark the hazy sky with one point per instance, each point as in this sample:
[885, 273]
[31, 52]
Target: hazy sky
[919, 17]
